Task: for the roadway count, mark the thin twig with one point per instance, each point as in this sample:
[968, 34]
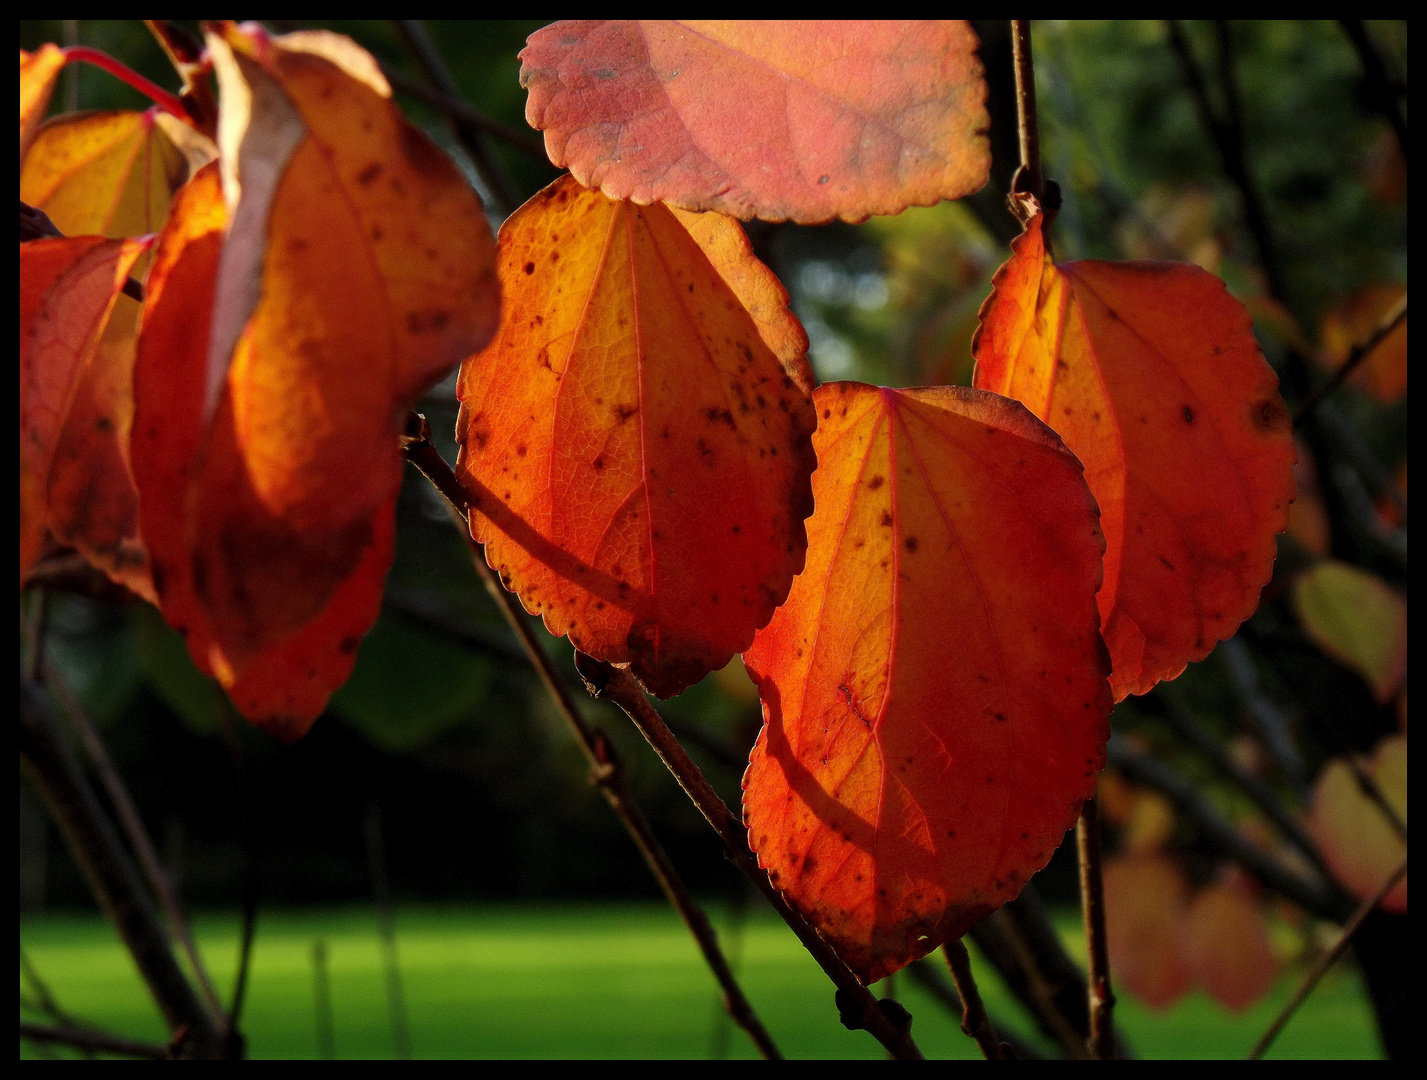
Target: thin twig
[115, 882]
[428, 57]
[1327, 960]
[1188, 727]
[929, 977]
[138, 836]
[1389, 322]
[606, 770]
[1368, 785]
[251, 875]
[1092, 899]
[88, 1039]
[974, 1021]
[35, 224]
[1269, 719]
[1028, 178]
[386, 926]
[1382, 91]
[458, 109]
[44, 998]
[858, 1007]
[1315, 895]
[1024, 972]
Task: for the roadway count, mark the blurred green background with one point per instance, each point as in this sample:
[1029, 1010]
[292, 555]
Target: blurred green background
[443, 736]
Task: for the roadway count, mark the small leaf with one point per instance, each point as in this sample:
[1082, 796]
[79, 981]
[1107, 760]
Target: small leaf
[1151, 374]
[110, 173]
[775, 120]
[1359, 843]
[76, 354]
[38, 72]
[1226, 944]
[1358, 619]
[294, 315]
[934, 693]
[1145, 908]
[1383, 372]
[635, 441]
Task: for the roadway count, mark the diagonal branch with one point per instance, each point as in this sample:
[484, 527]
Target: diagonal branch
[891, 1027]
[926, 975]
[89, 1039]
[606, 770]
[974, 1021]
[1383, 91]
[1092, 899]
[1327, 960]
[1315, 895]
[1389, 322]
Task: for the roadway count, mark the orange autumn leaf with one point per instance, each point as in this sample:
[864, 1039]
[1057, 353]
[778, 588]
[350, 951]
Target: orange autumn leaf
[110, 173]
[38, 72]
[1358, 619]
[1151, 374]
[1226, 944]
[807, 121]
[934, 690]
[76, 353]
[635, 441]
[1383, 372]
[1145, 907]
[295, 313]
[1361, 846]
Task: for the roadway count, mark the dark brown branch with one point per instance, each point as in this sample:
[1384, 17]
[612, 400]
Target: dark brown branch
[1226, 133]
[251, 876]
[1092, 901]
[133, 827]
[1327, 960]
[1315, 895]
[472, 138]
[858, 1007]
[606, 771]
[1196, 735]
[1383, 92]
[1028, 177]
[458, 109]
[1270, 720]
[88, 1039]
[929, 977]
[974, 1021]
[1359, 353]
[112, 878]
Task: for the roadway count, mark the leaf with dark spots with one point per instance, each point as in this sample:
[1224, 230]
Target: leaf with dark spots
[908, 740]
[621, 351]
[1151, 374]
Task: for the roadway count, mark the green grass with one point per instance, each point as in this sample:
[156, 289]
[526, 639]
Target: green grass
[594, 980]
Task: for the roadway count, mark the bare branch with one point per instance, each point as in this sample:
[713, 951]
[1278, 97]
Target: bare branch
[1327, 960]
[1092, 900]
[606, 771]
[462, 111]
[926, 975]
[974, 1021]
[1270, 720]
[1383, 91]
[1395, 316]
[89, 1039]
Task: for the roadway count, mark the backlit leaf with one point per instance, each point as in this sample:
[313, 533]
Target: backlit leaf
[294, 315]
[76, 356]
[775, 120]
[1383, 372]
[1145, 907]
[1226, 944]
[636, 439]
[1151, 374]
[1358, 619]
[934, 690]
[38, 72]
[1359, 843]
[110, 173]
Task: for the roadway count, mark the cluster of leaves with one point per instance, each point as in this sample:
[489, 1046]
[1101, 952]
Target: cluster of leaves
[940, 593]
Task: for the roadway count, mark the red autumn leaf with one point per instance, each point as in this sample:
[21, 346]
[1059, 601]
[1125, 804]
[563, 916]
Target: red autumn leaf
[110, 173]
[1145, 907]
[283, 344]
[1226, 944]
[934, 690]
[636, 438]
[1359, 843]
[1151, 374]
[38, 72]
[775, 120]
[76, 355]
